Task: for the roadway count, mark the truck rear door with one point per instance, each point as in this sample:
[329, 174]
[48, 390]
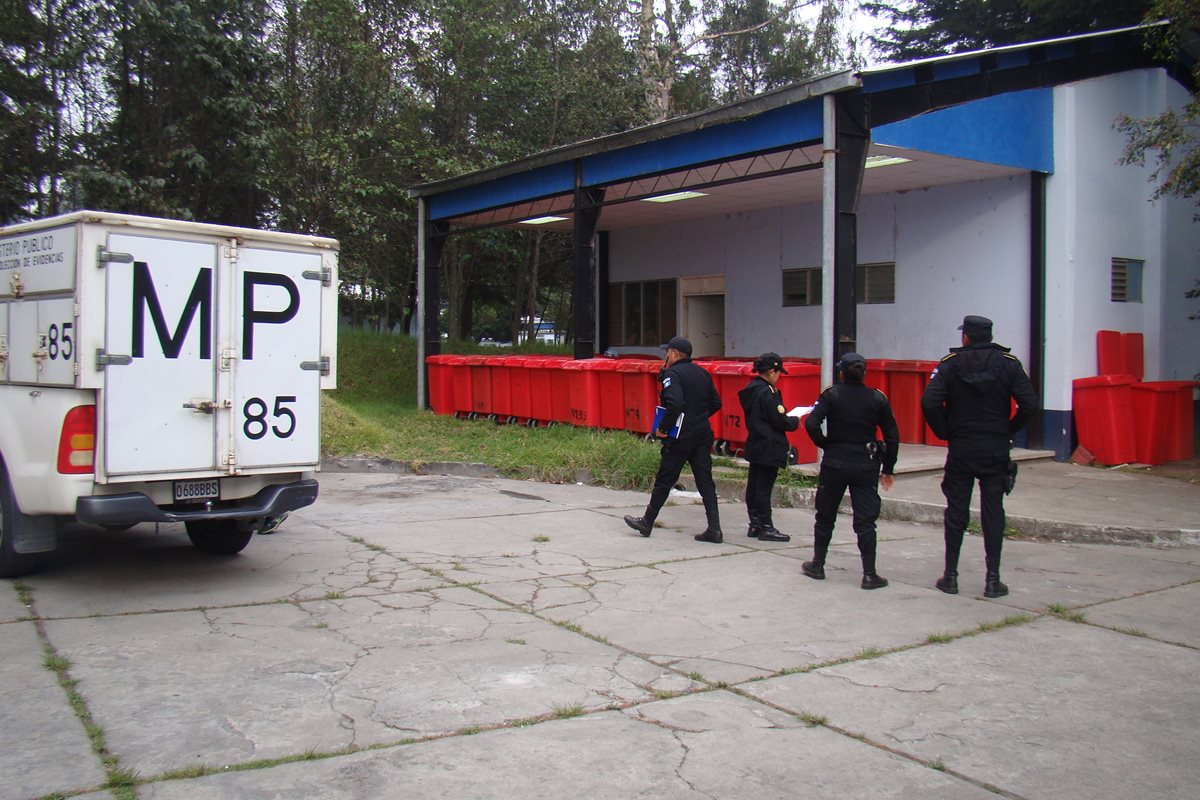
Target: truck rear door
[212, 357]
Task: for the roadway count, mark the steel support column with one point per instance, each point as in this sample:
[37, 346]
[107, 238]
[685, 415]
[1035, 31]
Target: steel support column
[431, 241]
[852, 136]
[583, 292]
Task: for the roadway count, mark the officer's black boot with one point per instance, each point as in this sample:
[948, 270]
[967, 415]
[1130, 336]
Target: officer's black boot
[769, 533]
[815, 569]
[713, 532]
[992, 587]
[871, 579]
[948, 583]
[755, 525]
[643, 525]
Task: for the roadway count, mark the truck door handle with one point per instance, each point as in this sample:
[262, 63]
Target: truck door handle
[207, 406]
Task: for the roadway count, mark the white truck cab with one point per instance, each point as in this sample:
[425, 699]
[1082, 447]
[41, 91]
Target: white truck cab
[156, 370]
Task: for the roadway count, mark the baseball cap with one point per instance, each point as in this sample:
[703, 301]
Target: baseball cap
[769, 361]
[976, 326]
[850, 358]
[679, 343]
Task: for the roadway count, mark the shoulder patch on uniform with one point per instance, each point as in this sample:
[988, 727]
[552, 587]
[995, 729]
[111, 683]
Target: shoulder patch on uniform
[666, 381]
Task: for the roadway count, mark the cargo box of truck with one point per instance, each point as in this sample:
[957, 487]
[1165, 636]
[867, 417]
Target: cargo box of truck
[156, 370]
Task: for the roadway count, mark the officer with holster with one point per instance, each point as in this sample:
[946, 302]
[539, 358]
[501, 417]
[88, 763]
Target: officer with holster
[852, 458]
[968, 402]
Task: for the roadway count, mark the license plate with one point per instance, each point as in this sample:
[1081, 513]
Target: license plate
[197, 491]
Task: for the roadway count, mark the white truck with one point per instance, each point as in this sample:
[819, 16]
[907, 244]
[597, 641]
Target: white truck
[155, 370]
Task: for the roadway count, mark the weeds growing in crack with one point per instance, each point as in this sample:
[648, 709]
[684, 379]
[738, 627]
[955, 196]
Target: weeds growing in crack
[815, 720]
[868, 652]
[334, 596]
[940, 638]
[525, 723]
[183, 773]
[457, 566]
[541, 539]
[1007, 622]
[358, 540]
[378, 548]
[566, 712]
[665, 694]
[938, 765]
[56, 663]
[1062, 612]
[1132, 632]
[515, 641]
[470, 730]
[569, 626]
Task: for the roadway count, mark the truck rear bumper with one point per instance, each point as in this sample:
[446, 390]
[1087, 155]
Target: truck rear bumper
[134, 507]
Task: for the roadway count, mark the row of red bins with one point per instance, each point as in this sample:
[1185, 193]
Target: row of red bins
[621, 394]
[1121, 420]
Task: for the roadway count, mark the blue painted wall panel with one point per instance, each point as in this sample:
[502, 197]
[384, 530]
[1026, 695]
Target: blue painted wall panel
[777, 128]
[541, 182]
[1015, 130]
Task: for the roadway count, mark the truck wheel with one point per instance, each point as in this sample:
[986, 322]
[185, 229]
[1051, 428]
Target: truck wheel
[218, 537]
[12, 563]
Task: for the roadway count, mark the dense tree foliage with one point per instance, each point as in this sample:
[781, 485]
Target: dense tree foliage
[316, 116]
[921, 28]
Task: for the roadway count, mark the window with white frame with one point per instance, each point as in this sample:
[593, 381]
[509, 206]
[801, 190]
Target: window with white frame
[1126, 280]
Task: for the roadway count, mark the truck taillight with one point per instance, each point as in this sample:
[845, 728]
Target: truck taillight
[77, 445]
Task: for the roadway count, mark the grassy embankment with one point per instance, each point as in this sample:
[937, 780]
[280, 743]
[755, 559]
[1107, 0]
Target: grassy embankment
[373, 413]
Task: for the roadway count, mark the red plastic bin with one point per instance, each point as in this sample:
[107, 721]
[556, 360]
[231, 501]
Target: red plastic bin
[583, 390]
[612, 395]
[1110, 353]
[800, 387]
[520, 400]
[480, 377]
[549, 390]
[441, 384]
[907, 380]
[1163, 423]
[1133, 351]
[500, 378]
[639, 392]
[730, 377]
[1103, 408]
[460, 377]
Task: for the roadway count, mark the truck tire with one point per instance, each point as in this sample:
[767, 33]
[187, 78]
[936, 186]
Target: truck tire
[218, 537]
[12, 563]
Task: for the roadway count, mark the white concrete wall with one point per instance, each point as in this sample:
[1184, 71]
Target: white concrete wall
[958, 250]
[1098, 209]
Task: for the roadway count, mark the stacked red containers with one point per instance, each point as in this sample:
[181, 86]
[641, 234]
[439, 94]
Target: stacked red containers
[441, 384]
[639, 392]
[1133, 351]
[500, 380]
[1103, 413]
[801, 387]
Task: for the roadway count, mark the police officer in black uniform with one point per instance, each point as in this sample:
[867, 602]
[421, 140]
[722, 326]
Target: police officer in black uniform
[686, 389]
[852, 459]
[968, 403]
[767, 425]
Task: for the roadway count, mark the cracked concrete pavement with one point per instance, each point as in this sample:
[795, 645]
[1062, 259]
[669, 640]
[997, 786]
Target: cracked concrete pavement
[424, 636]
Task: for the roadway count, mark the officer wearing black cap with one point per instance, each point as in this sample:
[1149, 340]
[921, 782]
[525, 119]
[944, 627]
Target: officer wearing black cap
[688, 390]
[968, 403]
[767, 425]
[852, 458]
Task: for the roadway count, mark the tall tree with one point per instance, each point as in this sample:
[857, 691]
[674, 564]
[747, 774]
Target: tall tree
[921, 28]
[185, 136]
[26, 108]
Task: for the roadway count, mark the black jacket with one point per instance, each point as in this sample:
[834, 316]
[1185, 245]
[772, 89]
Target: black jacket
[853, 412]
[689, 389]
[767, 423]
[967, 401]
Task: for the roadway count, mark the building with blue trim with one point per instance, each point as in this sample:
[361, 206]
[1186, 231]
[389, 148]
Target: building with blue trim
[871, 210]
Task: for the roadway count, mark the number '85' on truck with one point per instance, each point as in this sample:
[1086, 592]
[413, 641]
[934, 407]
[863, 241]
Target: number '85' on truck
[155, 370]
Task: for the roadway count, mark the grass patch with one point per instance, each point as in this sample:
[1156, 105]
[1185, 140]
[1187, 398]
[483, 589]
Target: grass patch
[696, 676]
[541, 539]
[1132, 632]
[665, 694]
[940, 638]
[1007, 622]
[814, 720]
[566, 712]
[1062, 612]
[515, 641]
[334, 596]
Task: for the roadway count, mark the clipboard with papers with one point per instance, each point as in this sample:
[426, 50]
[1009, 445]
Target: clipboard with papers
[659, 411]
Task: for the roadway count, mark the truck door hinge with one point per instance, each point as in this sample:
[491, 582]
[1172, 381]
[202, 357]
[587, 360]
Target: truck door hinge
[321, 365]
[228, 356]
[18, 285]
[104, 359]
[43, 351]
[105, 256]
[229, 459]
[324, 275]
[3, 349]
